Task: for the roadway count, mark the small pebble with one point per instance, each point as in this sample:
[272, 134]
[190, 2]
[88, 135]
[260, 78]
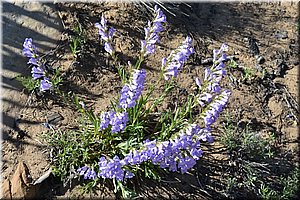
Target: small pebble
[281, 34]
[260, 59]
[295, 62]
[258, 67]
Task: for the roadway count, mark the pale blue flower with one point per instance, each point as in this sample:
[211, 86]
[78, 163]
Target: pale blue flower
[46, 84]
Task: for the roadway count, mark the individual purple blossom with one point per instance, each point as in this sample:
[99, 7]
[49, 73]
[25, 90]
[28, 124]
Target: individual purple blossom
[131, 91]
[186, 163]
[87, 174]
[29, 50]
[151, 32]
[34, 61]
[46, 84]
[175, 61]
[212, 79]
[160, 17]
[204, 98]
[129, 174]
[108, 48]
[37, 72]
[82, 170]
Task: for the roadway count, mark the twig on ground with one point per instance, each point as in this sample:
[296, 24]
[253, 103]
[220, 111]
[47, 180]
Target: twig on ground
[210, 60]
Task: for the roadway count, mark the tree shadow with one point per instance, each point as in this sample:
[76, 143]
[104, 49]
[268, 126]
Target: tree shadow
[15, 29]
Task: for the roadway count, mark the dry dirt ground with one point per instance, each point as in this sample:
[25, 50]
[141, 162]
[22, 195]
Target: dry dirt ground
[269, 105]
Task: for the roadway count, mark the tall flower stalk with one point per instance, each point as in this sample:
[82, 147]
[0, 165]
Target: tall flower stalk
[151, 33]
[107, 34]
[38, 70]
[175, 61]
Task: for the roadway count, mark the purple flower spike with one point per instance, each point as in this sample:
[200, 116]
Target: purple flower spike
[151, 32]
[106, 34]
[175, 61]
[131, 92]
[160, 17]
[117, 121]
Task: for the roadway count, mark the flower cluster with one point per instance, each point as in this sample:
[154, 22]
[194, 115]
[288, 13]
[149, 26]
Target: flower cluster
[151, 32]
[38, 70]
[106, 34]
[181, 151]
[178, 153]
[212, 111]
[116, 120]
[131, 92]
[87, 172]
[212, 77]
[175, 61]
[211, 87]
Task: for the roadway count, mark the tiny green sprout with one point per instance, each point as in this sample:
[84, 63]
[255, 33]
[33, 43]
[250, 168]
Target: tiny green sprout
[233, 64]
[248, 74]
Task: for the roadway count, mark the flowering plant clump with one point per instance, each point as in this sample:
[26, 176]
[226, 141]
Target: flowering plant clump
[120, 144]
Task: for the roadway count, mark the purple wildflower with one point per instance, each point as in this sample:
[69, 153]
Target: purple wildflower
[111, 169]
[204, 97]
[46, 84]
[151, 32]
[105, 119]
[117, 121]
[160, 17]
[129, 174]
[37, 72]
[29, 49]
[87, 172]
[82, 170]
[108, 48]
[186, 163]
[131, 92]
[214, 108]
[34, 61]
[220, 52]
[179, 153]
[212, 79]
[106, 34]
[175, 61]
